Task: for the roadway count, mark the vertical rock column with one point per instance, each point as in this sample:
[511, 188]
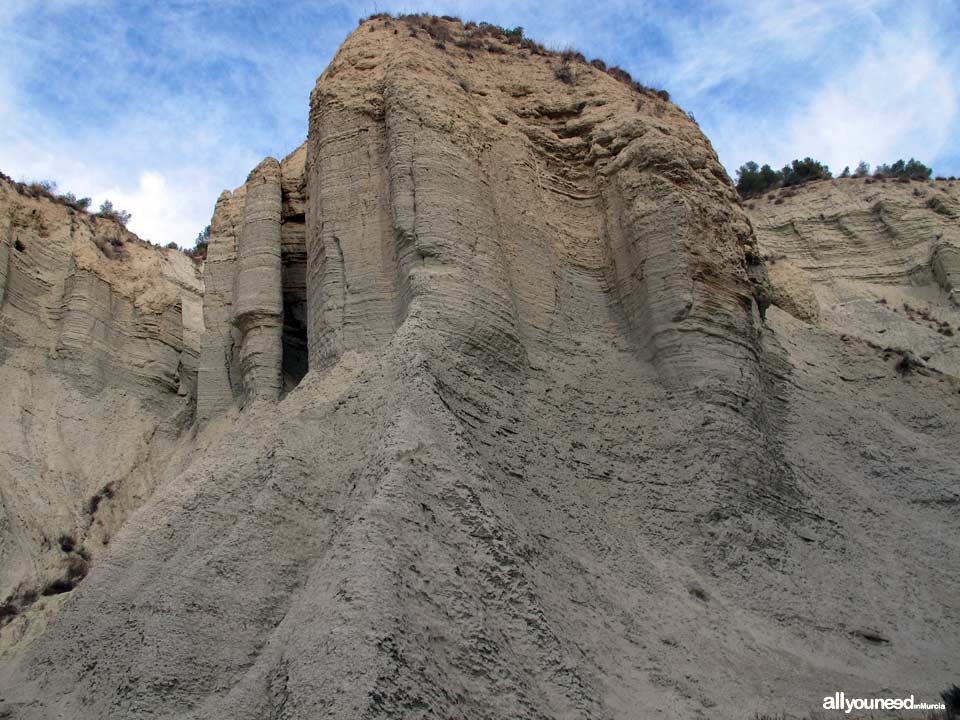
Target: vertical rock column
[217, 376]
[258, 294]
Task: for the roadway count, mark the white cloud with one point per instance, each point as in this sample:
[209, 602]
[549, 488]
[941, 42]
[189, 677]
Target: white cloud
[160, 211]
[160, 133]
[895, 102]
[744, 42]
[893, 97]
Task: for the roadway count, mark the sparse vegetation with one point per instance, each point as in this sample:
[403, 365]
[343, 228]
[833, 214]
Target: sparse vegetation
[907, 364]
[66, 542]
[107, 210]
[48, 189]
[564, 74]
[753, 180]
[200, 245]
[93, 504]
[909, 170]
[495, 39]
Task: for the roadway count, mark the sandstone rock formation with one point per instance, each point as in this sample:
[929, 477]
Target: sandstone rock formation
[874, 259]
[255, 304]
[549, 460]
[99, 343]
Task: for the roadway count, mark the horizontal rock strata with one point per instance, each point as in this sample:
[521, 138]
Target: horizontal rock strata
[99, 346]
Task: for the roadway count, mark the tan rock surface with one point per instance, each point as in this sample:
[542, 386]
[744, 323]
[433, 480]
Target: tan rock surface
[99, 341]
[548, 460]
[873, 259]
[255, 299]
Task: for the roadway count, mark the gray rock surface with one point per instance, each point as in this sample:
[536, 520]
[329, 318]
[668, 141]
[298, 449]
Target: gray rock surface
[548, 459]
[258, 294]
[254, 305]
[218, 375]
[99, 342]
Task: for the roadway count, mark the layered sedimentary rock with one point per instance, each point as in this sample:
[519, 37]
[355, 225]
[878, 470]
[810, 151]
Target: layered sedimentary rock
[258, 297]
[549, 460]
[876, 259]
[254, 307]
[99, 341]
[219, 372]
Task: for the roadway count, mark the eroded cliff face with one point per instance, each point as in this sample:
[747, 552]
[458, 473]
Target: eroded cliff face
[874, 259]
[99, 342]
[548, 459]
[255, 300]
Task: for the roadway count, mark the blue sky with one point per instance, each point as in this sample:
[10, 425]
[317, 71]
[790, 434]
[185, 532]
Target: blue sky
[161, 105]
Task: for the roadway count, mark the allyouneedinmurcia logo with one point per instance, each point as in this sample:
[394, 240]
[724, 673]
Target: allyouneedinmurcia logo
[839, 701]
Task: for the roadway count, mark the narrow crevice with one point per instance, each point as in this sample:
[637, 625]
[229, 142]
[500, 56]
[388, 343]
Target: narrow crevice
[296, 356]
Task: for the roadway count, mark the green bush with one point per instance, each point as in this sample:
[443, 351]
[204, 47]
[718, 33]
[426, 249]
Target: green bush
[803, 171]
[108, 211]
[911, 170]
[754, 180]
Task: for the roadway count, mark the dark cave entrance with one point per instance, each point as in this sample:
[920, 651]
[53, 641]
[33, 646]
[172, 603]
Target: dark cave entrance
[293, 258]
[295, 355]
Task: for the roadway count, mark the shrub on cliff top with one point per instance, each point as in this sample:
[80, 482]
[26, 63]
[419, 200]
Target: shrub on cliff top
[910, 170]
[48, 189]
[803, 171]
[107, 210]
[754, 180]
[472, 34]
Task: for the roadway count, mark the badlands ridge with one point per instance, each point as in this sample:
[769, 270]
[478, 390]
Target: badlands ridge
[490, 401]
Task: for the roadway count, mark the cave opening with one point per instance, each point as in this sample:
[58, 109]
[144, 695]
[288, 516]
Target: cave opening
[295, 355]
[294, 278]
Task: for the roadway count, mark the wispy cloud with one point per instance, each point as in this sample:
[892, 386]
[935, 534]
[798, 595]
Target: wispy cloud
[161, 106]
[895, 101]
[157, 107]
[872, 81]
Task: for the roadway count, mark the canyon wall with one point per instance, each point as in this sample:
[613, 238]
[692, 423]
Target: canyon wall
[99, 344]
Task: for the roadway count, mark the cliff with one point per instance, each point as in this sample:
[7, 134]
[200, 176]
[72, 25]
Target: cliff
[255, 303]
[874, 259]
[99, 343]
[490, 423]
